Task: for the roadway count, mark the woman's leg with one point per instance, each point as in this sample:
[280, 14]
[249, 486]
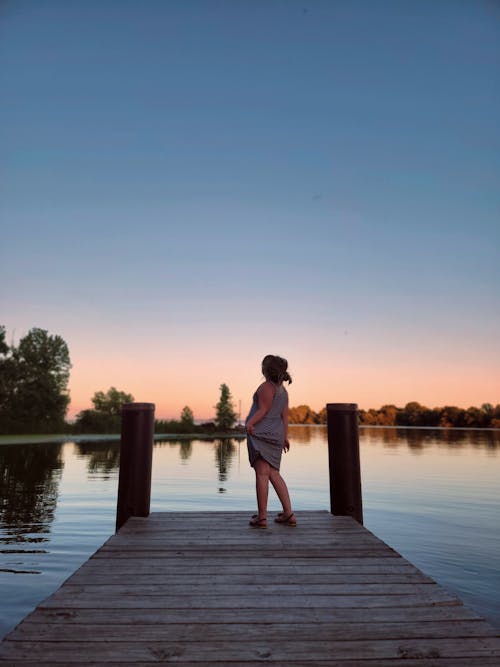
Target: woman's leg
[281, 489]
[262, 472]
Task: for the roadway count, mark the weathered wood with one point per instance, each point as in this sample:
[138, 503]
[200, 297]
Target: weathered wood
[171, 615]
[247, 632]
[212, 591]
[256, 602]
[167, 564]
[206, 552]
[136, 455]
[228, 588]
[343, 460]
[481, 661]
[266, 648]
[183, 579]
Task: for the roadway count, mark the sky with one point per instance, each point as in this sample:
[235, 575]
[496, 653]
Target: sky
[187, 186]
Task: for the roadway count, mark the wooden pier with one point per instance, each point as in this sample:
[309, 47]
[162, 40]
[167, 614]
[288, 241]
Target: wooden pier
[206, 589]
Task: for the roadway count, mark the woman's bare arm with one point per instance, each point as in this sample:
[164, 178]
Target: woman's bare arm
[284, 417]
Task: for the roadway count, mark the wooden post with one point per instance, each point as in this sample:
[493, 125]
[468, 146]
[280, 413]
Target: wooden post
[343, 460]
[136, 456]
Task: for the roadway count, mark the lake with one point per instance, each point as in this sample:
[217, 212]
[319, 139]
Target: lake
[432, 494]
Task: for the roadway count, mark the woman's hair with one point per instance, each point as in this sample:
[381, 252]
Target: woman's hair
[274, 368]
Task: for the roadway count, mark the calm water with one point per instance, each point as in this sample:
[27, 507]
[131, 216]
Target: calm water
[432, 495]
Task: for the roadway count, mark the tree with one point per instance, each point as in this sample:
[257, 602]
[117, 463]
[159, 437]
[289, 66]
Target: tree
[387, 415]
[302, 414]
[4, 348]
[495, 418]
[8, 376]
[475, 417]
[411, 414]
[92, 421]
[34, 388]
[225, 415]
[105, 417]
[187, 417]
[110, 403]
[452, 416]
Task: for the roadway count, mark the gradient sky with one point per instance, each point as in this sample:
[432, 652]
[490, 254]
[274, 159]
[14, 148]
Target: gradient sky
[189, 185]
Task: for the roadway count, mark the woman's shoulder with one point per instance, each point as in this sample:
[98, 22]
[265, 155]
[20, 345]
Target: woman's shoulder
[266, 387]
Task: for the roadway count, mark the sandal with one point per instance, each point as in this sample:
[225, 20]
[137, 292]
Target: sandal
[255, 522]
[286, 519]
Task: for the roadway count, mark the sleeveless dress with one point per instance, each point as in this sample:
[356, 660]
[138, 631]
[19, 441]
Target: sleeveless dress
[269, 433]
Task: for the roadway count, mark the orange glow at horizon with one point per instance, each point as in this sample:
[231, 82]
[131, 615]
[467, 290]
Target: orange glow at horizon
[173, 384]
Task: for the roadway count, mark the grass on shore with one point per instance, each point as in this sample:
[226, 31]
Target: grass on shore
[32, 439]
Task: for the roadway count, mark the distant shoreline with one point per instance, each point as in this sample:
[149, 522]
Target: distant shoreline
[240, 435]
[108, 437]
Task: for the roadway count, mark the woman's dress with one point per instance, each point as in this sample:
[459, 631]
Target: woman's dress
[269, 433]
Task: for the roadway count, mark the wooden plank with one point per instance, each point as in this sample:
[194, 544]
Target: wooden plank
[266, 541]
[252, 632]
[189, 565]
[241, 576]
[240, 546]
[232, 554]
[265, 649]
[156, 558]
[249, 601]
[172, 615]
[172, 524]
[481, 661]
[256, 537]
[229, 588]
[162, 520]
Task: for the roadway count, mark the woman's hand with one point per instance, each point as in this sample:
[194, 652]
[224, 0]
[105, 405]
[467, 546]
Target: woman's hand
[251, 429]
[286, 446]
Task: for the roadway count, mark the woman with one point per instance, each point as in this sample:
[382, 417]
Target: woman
[267, 437]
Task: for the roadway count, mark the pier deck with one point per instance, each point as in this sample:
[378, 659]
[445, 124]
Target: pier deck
[204, 588]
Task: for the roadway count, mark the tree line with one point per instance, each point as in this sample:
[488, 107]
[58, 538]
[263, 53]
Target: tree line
[34, 398]
[412, 414]
[105, 415]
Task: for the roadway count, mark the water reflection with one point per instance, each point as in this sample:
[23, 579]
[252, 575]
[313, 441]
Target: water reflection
[414, 438]
[185, 446]
[304, 434]
[185, 449]
[103, 457]
[224, 451]
[224, 454]
[29, 482]
[418, 439]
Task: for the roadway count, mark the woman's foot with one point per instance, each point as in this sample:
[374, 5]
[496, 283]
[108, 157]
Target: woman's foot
[255, 522]
[286, 519]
